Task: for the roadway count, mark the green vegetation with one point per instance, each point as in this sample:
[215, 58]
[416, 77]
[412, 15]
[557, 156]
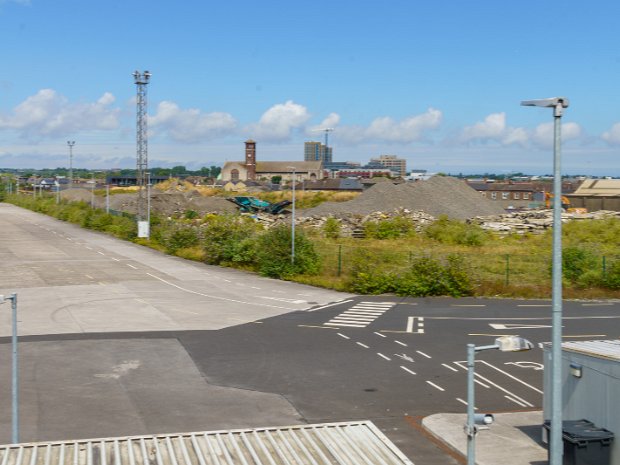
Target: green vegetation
[446, 258]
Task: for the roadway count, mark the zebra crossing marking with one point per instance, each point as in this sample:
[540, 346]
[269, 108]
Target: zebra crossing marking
[361, 314]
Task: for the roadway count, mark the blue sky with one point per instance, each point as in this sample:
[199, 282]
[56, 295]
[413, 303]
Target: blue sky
[436, 82]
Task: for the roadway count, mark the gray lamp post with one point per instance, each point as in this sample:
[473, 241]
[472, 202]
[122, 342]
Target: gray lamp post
[293, 219]
[555, 438]
[15, 368]
[476, 422]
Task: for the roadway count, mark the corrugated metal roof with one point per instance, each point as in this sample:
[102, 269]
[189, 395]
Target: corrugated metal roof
[353, 443]
[609, 349]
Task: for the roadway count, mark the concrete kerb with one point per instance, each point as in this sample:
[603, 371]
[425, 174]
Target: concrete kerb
[513, 438]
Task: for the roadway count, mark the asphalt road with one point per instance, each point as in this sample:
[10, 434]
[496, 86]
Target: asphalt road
[120, 340]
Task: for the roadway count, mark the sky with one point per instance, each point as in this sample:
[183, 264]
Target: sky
[437, 82]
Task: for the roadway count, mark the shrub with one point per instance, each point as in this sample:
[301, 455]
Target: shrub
[392, 228]
[332, 228]
[576, 261]
[222, 236]
[175, 236]
[273, 254]
[449, 231]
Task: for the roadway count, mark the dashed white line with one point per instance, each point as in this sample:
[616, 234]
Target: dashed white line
[384, 356]
[449, 367]
[100, 253]
[379, 334]
[481, 384]
[423, 354]
[363, 345]
[89, 276]
[342, 335]
[116, 259]
[401, 343]
[408, 370]
[435, 386]
[131, 266]
[89, 248]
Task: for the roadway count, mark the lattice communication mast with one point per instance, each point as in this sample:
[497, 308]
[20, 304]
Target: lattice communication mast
[142, 157]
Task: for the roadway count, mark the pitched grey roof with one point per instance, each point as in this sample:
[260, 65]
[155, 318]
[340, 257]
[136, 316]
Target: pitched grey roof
[353, 443]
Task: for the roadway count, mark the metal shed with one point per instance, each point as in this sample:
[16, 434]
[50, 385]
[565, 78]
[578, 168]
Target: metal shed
[590, 385]
[352, 443]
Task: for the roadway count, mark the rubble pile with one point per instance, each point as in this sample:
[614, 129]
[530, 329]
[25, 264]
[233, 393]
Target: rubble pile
[534, 221]
[440, 195]
[350, 225]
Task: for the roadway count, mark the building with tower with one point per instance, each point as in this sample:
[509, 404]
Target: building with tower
[252, 170]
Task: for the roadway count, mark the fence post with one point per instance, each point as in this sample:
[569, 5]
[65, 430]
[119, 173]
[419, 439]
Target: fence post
[507, 269]
[339, 259]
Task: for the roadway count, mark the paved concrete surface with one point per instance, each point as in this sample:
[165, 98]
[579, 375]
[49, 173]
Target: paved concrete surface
[513, 439]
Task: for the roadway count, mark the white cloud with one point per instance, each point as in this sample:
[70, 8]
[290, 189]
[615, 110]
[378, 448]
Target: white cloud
[494, 128]
[190, 125]
[278, 122]
[543, 134]
[49, 114]
[387, 129]
[612, 137]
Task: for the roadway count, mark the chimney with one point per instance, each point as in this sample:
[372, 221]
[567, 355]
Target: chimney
[250, 159]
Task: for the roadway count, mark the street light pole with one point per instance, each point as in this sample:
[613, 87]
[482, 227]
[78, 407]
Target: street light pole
[70, 143]
[148, 206]
[14, 369]
[293, 220]
[555, 437]
[476, 422]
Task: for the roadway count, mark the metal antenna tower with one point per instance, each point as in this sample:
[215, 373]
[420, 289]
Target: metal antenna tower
[142, 158]
[70, 143]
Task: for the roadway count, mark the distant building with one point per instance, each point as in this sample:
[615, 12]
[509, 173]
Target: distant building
[398, 165]
[508, 194]
[252, 170]
[315, 151]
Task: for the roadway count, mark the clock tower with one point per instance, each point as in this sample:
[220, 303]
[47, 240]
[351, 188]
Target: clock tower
[250, 159]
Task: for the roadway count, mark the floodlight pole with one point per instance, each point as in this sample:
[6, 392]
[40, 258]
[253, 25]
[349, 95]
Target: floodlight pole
[293, 222]
[471, 433]
[556, 447]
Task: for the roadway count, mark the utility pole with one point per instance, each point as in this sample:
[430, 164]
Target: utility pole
[142, 161]
[70, 143]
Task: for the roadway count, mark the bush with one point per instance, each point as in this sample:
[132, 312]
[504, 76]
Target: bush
[392, 228]
[455, 232]
[273, 254]
[174, 236]
[224, 238]
[332, 228]
[428, 276]
[576, 261]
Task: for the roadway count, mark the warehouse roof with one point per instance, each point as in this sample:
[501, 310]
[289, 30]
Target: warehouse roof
[352, 443]
[602, 349]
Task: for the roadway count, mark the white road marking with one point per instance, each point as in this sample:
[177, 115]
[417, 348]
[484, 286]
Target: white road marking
[468, 305]
[516, 326]
[404, 357]
[68, 238]
[100, 253]
[482, 384]
[89, 276]
[344, 317]
[254, 287]
[401, 343]
[115, 259]
[435, 386]
[461, 401]
[598, 304]
[510, 376]
[423, 354]
[379, 334]
[408, 370]
[330, 305]
[349, 325]
[533, 305]
[89, 248]
[504, 390]
[364, 312]
[449, 367]
[189, 291]
[383, 356]
[131, 266]
[516, 401]
[282, 299]
[342, 335]
[363, 345]
[410, 324]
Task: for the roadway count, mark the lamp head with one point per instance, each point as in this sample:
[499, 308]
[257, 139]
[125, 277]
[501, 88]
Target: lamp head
[513, 344]
[546, 102]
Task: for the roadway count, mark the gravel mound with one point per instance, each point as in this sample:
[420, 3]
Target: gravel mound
[439, 195]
